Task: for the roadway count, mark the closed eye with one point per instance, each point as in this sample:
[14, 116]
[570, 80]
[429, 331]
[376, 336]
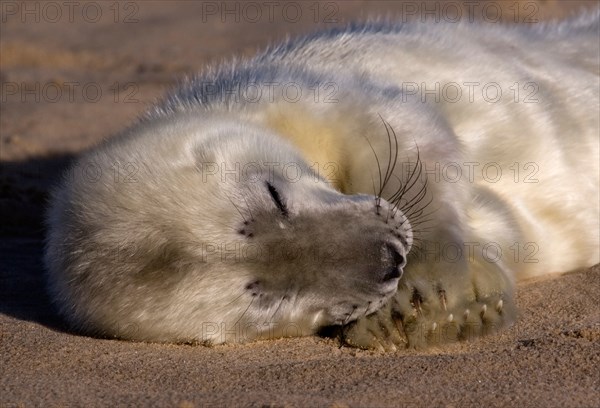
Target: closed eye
[277, 199]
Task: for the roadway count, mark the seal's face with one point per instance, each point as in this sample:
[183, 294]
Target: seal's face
[298, 252]
[311, 251]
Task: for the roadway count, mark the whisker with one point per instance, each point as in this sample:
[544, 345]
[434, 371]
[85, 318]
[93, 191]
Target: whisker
[237, 209]
[418, 197]
[391, 166]
[248, 206]
[377, 197]
[235, 300]
[373, 183]
[248, 308]
[414, 177]
[347, 319]
[284, 297]
[418, 218]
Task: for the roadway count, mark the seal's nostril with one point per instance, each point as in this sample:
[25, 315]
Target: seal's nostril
[397, 262]
[393, 273]
[397, 257]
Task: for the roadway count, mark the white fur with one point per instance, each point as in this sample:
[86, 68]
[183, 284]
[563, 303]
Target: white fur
[148, 259]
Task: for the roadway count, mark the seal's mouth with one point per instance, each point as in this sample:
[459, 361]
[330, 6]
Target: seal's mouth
[342, 313]
[389, 286]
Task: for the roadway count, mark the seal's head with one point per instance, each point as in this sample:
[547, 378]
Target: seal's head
[309, 255]
[224, 235]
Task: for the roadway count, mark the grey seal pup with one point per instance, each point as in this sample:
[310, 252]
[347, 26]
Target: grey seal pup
[391, 179]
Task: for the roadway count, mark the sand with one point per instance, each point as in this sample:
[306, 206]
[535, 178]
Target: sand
[50, 74]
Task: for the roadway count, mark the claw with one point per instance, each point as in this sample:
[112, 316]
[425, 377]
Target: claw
[483, 310]
[433, 326]
[419, 311]
[398, 325]
[499, 306]
[442, 295]
[450, 318]
[416, 302]
[467, 313]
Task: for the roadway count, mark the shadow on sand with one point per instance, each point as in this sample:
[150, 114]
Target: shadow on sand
[24, 192]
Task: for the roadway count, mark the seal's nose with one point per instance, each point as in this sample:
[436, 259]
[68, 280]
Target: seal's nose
[397, 260]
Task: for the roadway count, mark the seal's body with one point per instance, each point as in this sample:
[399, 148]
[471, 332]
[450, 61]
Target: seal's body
[275, 196]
